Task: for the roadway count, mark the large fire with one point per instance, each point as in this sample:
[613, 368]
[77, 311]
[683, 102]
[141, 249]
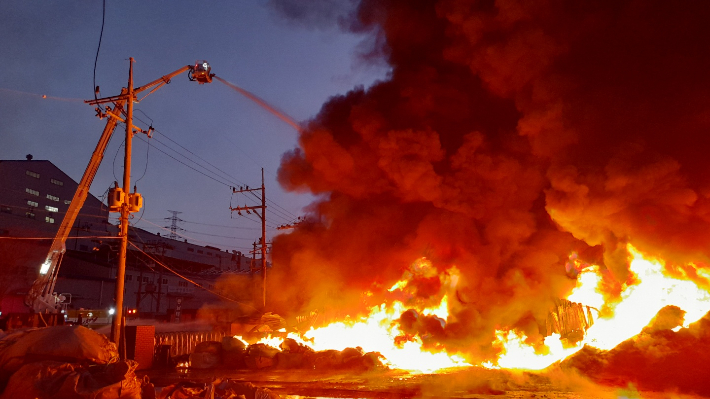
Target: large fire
[617, 317]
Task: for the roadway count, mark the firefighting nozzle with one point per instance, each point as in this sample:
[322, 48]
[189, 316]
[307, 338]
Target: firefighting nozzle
[201, 72]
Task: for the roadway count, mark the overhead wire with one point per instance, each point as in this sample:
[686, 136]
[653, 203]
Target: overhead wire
[186, 236]
[43, 96]
[217, 235]
[196, 284]
[236, 181]
[198, 171]
[221, 225]
[223, 177]
[147, 153]
[52, 238]
[276, 212]
[207, 162]
[114, 159]
[96, 59]
[286, 218]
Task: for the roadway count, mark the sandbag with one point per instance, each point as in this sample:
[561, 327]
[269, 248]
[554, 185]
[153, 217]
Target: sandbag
[67, 344]
[56, 380]
[206, 355]
[230, 344]
[208, 346]
[204, 360]
[233, 353]
[258, 356]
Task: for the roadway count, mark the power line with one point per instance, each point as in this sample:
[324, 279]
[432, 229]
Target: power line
[283, 213]
[192, 238]
[178, 144]
[96, 59]
[208, 176]
[224, 174]
[217, 235]
[52, 238]
[187, 279]
[221, 225]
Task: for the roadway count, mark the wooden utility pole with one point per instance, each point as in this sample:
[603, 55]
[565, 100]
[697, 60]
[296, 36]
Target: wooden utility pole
[122, 200]
[122, 254]
[253, 260]
[262, 216]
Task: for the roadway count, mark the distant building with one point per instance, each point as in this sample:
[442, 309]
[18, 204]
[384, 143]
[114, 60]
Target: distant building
[34, 196]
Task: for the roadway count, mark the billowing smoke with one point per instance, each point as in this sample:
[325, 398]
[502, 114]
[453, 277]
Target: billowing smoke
[508, 135]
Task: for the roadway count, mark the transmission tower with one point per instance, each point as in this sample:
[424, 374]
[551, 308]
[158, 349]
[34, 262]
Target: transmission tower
[173, 224]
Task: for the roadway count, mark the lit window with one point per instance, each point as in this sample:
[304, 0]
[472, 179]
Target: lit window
[30, 215]
[53, 198]
[48, 219]
[49, 208]
[67, 202]
[32, 204]
[31, 191]
[57, 182]
[33, 174]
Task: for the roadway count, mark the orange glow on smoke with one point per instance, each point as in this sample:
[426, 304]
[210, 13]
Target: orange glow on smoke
[614, 320]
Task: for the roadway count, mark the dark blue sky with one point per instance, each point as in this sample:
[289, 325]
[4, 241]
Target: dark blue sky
[49, 48]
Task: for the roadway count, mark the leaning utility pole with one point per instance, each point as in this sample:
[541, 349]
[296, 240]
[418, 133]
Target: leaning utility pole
[262, 216]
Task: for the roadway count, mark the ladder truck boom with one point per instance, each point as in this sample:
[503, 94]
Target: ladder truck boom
[41, 296]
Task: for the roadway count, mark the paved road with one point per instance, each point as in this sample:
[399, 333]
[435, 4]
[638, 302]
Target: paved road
[459, 384]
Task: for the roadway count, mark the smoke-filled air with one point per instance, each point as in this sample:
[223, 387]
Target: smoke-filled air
[511, 141]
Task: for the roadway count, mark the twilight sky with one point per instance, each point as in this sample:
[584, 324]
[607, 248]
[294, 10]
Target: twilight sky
[49, 49]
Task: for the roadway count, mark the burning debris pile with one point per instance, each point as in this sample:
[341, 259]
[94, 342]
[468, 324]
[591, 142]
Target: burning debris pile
[658, 359]
[569, 320]
[233, 353]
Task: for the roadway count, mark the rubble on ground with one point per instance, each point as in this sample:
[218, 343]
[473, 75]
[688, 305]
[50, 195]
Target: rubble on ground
[218, 389]
[76, 362]
[66, 362]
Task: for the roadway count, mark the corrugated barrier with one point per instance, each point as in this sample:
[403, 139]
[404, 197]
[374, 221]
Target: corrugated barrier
[183, 342]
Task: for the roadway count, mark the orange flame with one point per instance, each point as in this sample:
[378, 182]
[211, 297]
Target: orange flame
[651, 290]
[377, 332]
[617, 318]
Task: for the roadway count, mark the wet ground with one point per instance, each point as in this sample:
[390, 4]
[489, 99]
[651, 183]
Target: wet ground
[459, 384]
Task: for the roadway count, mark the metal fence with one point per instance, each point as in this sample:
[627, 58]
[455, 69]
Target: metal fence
[183, 342]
